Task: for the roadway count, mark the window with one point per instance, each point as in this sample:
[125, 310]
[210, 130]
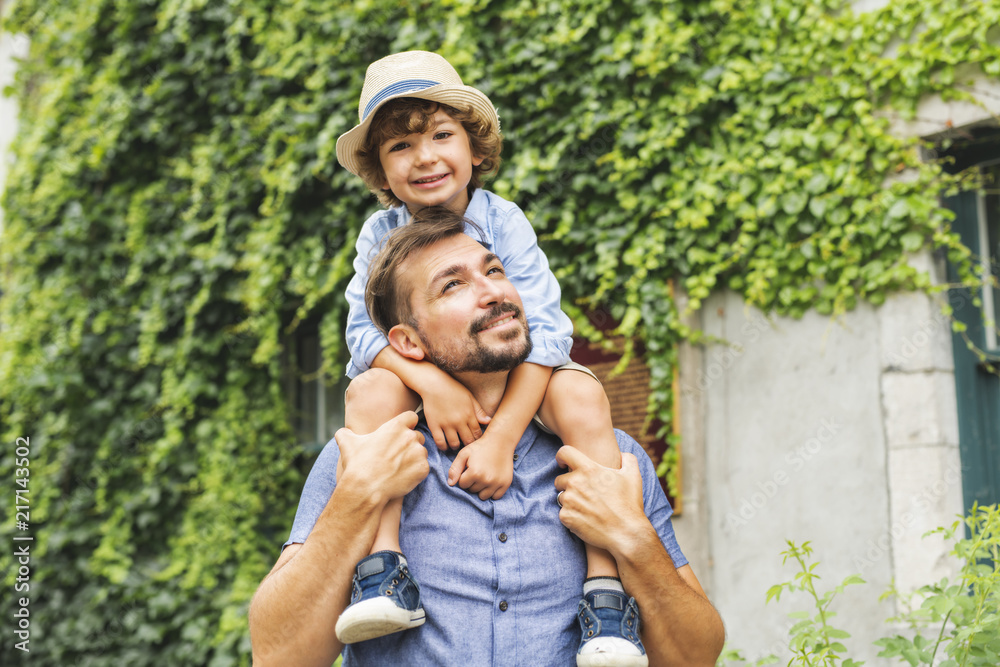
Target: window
[988, 224]
[977, 384]
[317, 405]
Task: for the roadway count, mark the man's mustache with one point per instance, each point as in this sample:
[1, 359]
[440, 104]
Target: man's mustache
[495, 312]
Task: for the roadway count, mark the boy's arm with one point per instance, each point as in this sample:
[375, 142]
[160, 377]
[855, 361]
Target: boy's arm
[364, 340]
[453, 414]
[528, 270]
[486, 467]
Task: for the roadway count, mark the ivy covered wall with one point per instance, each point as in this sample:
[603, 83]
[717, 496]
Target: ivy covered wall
[176, 213]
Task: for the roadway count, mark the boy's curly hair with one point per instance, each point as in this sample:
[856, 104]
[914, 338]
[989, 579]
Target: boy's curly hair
[408, 115]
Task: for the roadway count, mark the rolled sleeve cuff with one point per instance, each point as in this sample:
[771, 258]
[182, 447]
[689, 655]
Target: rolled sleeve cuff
[365, 355]
[550, 351]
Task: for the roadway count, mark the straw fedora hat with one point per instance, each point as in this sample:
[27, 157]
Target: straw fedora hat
[409, 74]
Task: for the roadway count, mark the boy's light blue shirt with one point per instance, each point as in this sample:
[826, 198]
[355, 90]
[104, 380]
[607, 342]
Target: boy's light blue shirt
[469, 555]
[510, 237]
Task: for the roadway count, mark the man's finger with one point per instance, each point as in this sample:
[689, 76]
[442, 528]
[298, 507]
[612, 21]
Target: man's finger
[406, 419]
[573, 458]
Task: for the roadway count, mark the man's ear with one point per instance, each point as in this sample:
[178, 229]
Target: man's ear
[404, 339]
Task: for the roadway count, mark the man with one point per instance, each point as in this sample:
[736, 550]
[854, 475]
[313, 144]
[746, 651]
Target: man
[492, 571]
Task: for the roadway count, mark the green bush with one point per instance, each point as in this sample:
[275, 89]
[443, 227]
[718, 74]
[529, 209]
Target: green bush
[175, 213]
[959, 619]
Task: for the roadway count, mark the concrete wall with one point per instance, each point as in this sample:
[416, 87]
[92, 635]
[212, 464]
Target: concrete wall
[841, 433]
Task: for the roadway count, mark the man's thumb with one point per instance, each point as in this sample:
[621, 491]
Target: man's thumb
[630, 465]
[408, 419]
[344, 436]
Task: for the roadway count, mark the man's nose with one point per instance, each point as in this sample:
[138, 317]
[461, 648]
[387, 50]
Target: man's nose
[490, 292]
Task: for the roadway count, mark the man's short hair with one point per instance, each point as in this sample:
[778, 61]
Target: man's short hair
[387, 298]
[407, 115]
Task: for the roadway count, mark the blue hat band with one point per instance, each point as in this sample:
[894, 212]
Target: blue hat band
[406, 86]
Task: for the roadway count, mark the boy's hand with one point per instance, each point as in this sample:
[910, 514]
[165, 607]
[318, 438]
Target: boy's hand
[453, 414]
[485, 467]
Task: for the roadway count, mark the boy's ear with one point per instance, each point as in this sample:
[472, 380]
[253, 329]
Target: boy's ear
[404, 339]
[476, 160]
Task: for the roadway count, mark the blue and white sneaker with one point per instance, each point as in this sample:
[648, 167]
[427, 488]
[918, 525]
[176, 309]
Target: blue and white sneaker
[385, 599]
[609, 622]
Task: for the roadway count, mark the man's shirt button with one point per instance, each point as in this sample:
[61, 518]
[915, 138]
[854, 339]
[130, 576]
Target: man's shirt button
[502, 537]
[503, 605]
[515, 457]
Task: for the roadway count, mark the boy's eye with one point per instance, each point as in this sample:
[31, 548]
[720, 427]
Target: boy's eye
[398, 147]
[443, 134]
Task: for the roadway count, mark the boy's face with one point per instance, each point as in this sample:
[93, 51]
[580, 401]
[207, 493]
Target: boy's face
[431, 168]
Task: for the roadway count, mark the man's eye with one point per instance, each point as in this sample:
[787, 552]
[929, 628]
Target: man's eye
[448, 285]
[495, 269]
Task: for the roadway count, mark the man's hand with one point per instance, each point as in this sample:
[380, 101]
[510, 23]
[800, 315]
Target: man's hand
[453, 414]
[602, 506]
[390, 461]
[485, 468]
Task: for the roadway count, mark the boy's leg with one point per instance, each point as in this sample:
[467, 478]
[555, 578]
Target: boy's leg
[372, 399]
[577, 410]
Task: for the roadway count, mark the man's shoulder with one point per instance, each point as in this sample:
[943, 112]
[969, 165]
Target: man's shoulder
[627, 443]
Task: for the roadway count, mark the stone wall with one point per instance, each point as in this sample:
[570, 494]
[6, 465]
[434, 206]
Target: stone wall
[843, 433]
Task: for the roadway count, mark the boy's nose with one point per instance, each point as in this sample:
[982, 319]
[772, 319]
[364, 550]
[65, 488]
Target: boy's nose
[426, 153]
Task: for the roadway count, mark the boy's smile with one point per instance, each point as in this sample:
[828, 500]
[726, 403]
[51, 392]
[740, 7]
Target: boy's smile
[431, 168]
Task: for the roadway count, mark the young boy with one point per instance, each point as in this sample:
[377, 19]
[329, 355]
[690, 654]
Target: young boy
[425, 139]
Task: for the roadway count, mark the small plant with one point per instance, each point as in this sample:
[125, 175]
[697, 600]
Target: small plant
[960, 617]
[813, 641]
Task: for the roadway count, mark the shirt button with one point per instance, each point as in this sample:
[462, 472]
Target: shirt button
[515, 457]
[503, 605]
[502, 537]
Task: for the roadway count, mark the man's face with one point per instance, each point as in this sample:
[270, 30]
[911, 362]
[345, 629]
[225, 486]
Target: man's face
[468, 316]
[431, 168]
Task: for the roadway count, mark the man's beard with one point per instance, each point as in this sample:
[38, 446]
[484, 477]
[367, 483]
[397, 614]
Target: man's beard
[476, 357]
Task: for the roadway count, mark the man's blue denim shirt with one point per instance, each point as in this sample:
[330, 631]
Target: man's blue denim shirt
[471, 555]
